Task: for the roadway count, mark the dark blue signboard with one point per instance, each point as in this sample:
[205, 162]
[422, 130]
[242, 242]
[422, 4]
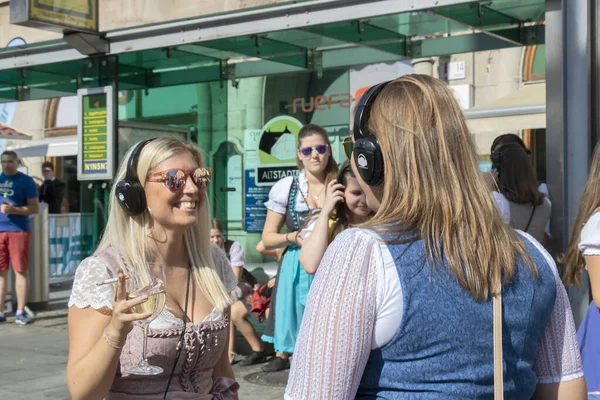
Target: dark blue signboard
[255, 198]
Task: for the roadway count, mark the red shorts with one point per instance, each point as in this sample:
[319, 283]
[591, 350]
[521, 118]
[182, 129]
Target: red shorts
[14, 248]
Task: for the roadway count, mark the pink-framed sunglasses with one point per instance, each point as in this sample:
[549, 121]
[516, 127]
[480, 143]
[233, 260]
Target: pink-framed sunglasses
[175, 179]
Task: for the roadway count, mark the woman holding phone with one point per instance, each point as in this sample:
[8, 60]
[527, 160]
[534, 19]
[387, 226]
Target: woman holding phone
[292, 201]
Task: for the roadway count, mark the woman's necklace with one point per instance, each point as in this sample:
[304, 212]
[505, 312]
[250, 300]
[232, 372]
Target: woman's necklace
[316, 196]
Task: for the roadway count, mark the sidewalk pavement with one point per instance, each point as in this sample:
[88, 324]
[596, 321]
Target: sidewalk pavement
[33, 359]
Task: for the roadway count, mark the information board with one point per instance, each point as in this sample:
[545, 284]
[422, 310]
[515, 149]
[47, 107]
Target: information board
[95, 155]
[256, 196]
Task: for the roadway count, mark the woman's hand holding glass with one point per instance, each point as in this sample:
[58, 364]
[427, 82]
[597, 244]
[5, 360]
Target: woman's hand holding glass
[333, 195]
[122, 318]
[154, 303]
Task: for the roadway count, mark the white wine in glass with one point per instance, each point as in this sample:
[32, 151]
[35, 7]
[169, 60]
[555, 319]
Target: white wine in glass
[157, 298]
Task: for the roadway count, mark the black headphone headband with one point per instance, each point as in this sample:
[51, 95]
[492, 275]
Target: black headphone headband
[367, 153]
[129, 191]
[363, 109]
[131, 172]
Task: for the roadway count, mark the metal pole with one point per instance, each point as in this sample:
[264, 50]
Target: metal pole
[106, 191]
[96, 220]
[568, 122]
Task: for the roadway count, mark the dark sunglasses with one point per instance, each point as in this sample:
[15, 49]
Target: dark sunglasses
[175, 179]
[348, 146]
[321, 149]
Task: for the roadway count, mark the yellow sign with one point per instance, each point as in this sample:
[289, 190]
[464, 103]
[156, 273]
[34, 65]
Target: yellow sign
[95, 134]
[78, 15]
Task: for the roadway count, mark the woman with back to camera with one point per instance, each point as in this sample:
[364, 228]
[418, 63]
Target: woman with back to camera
[409, 293]
[511, 138]
[292, 201]
[582, 253]
[528, 209]
[158, 216]
[345, 206]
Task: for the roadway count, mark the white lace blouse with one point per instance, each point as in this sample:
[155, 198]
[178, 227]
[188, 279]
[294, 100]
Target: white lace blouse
[357, 279]
[85, 293]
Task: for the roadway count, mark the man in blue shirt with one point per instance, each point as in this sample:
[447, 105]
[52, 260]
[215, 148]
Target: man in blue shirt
[18, 200]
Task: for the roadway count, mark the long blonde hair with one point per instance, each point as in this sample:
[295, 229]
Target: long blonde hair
[433, 189]
[590, 201]
[129, 235]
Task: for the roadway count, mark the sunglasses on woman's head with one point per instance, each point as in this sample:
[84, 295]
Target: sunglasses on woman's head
[321, 149]
[348, 146]
[175, 179]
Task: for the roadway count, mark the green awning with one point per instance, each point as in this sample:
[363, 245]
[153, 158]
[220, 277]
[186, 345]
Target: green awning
[259, 42]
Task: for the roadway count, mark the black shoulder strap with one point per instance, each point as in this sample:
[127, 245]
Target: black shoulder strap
[530, 218]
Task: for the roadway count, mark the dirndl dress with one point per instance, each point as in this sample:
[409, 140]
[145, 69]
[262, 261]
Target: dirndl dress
[291, 288]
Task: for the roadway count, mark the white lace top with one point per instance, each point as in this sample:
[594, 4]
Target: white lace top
[85, 293]
[358, 281]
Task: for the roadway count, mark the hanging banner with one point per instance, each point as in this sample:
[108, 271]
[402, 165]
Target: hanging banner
[95, 132]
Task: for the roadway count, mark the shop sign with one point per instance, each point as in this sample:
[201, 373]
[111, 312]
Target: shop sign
[322, 103]
[56, 15]
[95, 131]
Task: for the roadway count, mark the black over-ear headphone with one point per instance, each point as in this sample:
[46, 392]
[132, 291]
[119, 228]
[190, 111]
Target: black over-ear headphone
[129, 191]
[495, 158]
[367, 153]
[498, 153]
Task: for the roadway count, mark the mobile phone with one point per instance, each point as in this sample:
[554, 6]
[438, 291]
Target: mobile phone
[340, 175]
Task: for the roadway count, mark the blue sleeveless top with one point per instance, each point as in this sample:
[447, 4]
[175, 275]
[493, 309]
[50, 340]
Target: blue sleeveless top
[444, 346]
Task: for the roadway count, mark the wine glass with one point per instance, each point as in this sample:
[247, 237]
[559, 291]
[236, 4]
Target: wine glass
[157, 298]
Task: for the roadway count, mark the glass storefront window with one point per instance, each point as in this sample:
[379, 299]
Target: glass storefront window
[248, 131]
